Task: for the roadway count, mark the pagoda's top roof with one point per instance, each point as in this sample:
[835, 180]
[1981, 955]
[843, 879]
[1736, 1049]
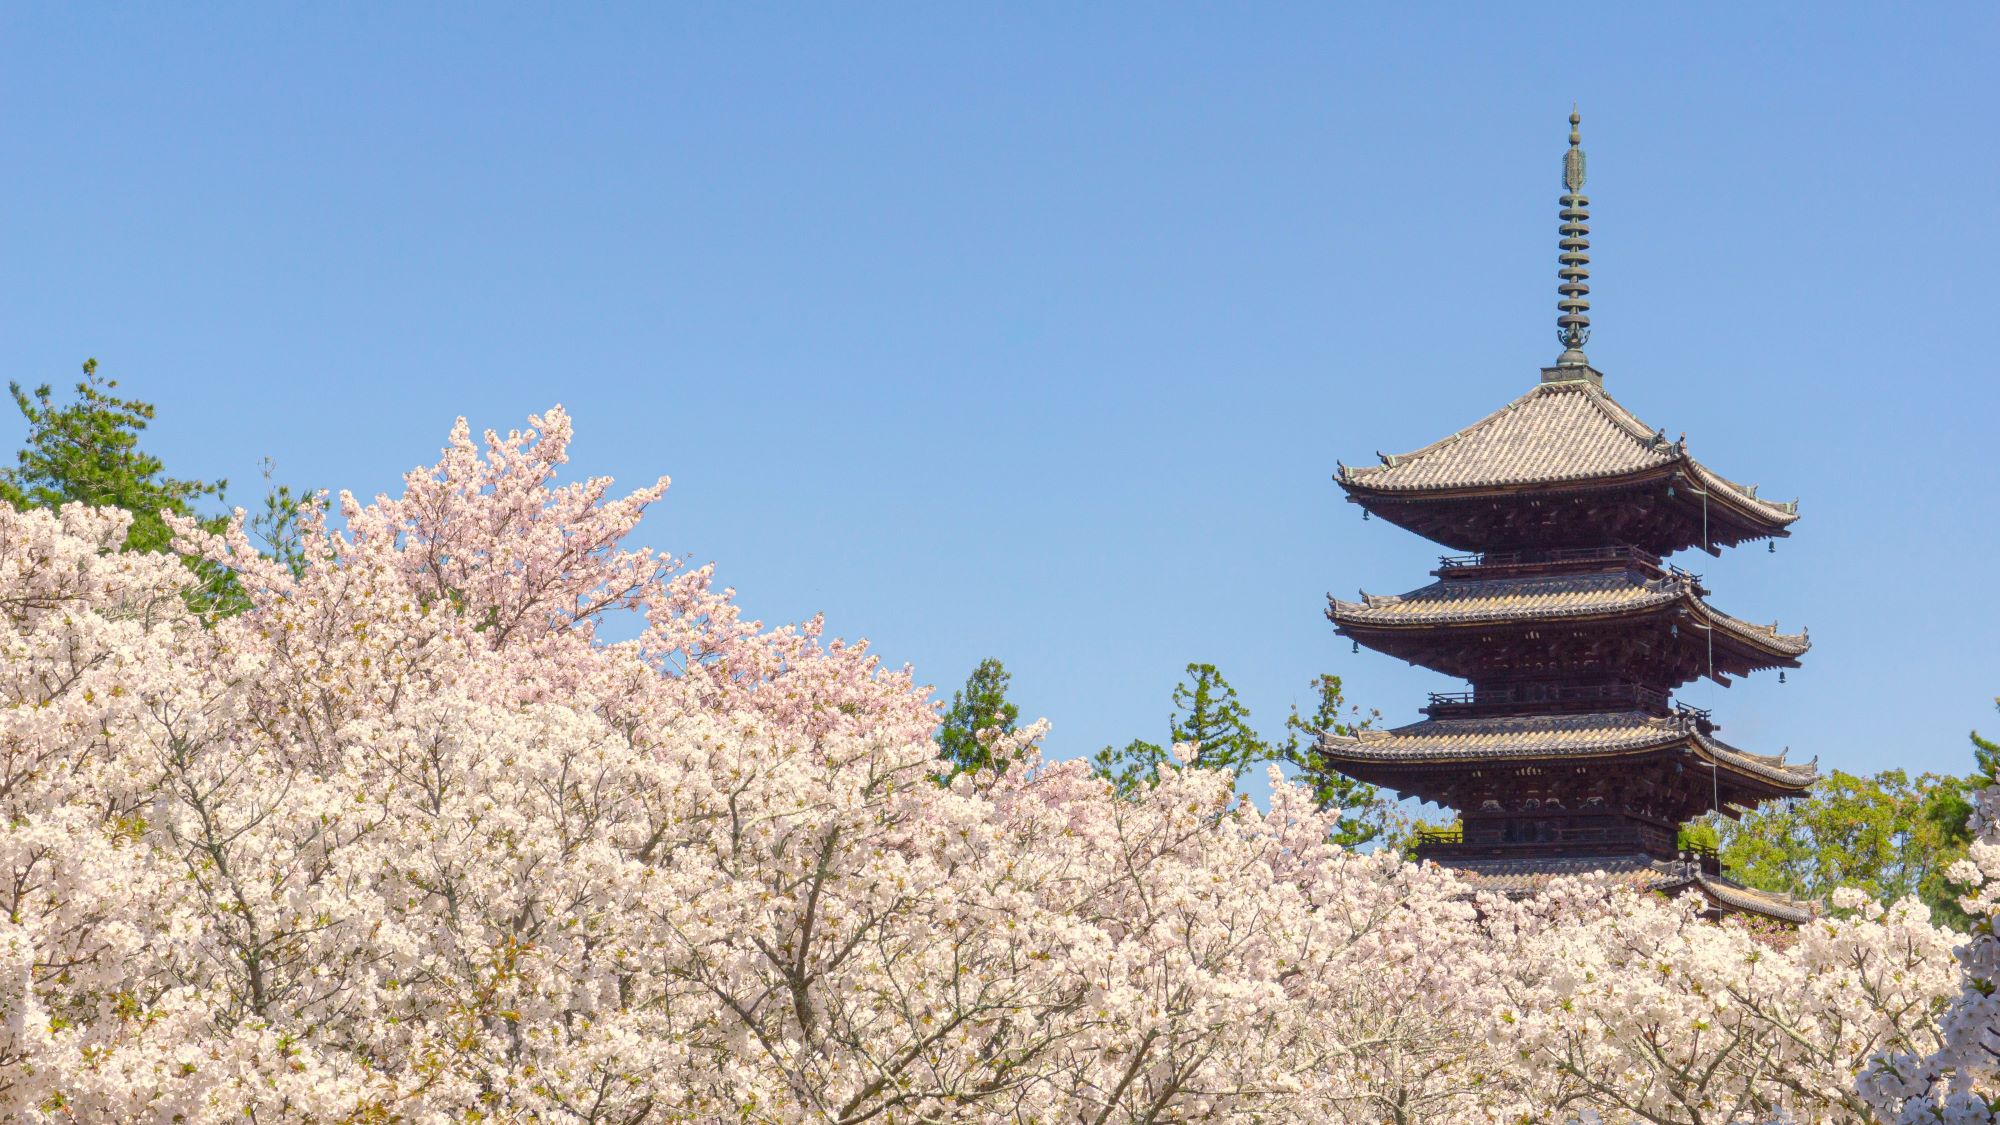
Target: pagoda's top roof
[1520, 878]
[1539, 737]
[1565, 431]
[1528, 598]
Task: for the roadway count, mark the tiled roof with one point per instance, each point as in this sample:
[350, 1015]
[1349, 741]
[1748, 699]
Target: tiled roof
[1547, 597]
[1559, 432]
[1732, 894]
[1527, 737]
[1766, 636]
[1506, 599]
[1519, 878]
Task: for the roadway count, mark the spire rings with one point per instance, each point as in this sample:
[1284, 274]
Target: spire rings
[1573, 260]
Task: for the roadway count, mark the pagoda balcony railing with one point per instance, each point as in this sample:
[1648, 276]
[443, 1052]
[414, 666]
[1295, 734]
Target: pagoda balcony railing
[1548, 555]
[1707, 853]
[1530, 838]
[1441, 834]
[1704, 860]
[1463, 566]
[1701, 857]
[1701, 717]
[1581, 697]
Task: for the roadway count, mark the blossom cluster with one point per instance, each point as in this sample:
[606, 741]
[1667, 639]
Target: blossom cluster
[1957, 1080]
[410, 840]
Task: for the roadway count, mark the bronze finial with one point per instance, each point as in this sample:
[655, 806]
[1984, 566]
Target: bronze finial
[1573, 305]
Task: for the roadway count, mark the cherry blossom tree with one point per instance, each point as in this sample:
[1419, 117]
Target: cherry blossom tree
[1957, 1080]
[1645, 1011]
[409, 839]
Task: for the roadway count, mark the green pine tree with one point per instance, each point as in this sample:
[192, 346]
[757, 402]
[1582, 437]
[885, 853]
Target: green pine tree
[87, 452]
[1132, 767]
[979, 706]
[1985, 757]
[1206, 713]
[1331, 789]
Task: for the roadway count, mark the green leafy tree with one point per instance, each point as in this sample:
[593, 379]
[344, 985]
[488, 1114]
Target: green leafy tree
[1887, 834]
[87, 452]
[981, 705]
[1699, 836]
[1332, 789]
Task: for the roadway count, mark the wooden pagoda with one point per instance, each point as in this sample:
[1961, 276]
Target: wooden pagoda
[1568, 753]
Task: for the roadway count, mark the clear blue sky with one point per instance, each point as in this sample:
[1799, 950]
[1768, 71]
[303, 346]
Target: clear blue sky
[1035, 331]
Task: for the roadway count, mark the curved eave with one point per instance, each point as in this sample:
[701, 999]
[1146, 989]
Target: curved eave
[1356, 481]
[1732, 897]
[1732, 504]
[1371, 616]
[1726, 896]
[1789, 646]
[1516, 879]
[1743, 763]
[1374, 751]
[1741, 499]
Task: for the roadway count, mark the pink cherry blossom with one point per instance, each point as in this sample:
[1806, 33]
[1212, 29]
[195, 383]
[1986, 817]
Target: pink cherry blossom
[410, 840]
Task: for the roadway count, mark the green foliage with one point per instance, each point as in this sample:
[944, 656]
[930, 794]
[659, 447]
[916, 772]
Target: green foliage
[1132, 767]
[276, 523]
[1699, 837]
[1333, 790]
[1887, 834]
[87, 452]
[1986, 753]
[981, 705]
[1207, 714]
[1405, 837]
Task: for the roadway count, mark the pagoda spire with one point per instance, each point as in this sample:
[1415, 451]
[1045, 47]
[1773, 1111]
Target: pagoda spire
[1573, 306]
